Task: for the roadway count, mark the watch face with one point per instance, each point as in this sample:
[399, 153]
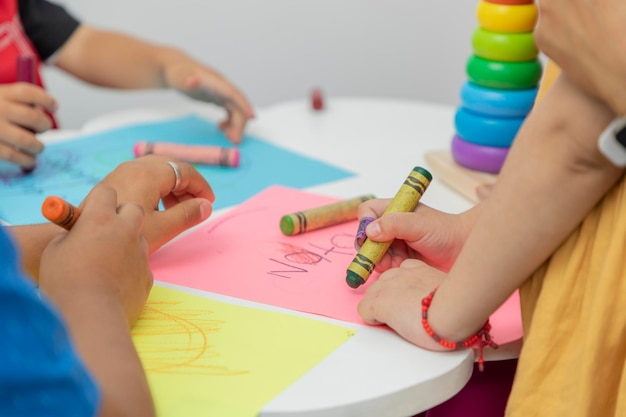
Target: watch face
[620, 135]
[612, 142]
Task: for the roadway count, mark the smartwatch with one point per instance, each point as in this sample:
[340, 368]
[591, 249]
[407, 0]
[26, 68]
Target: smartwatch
[612, 142]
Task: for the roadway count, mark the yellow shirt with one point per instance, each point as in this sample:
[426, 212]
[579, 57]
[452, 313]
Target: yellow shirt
[573, 362]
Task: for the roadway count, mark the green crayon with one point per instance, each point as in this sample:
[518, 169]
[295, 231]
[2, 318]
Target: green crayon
[371, 252]
[323, 216]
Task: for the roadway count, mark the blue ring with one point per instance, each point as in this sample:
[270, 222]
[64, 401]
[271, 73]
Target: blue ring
[496, 102]
[485, 130]
[479, 158]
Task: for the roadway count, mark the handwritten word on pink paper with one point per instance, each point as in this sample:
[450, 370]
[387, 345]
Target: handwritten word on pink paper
[243, 254]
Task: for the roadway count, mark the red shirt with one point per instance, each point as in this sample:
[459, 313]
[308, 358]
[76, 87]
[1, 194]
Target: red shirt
[13, 43]
[31, 27]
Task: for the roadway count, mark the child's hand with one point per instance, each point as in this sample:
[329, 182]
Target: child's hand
[395, 299]
[150, 179]
[427, 234]
[205, 84]
[103, 257]
[23, 109]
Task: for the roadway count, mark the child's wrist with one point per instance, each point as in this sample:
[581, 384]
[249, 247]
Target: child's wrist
[443, 320]
[477, 340]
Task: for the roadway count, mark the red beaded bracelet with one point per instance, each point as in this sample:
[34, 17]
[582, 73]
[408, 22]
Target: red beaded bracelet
[482, 338]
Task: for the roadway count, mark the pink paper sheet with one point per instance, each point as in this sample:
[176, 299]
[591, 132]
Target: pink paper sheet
[243, 254]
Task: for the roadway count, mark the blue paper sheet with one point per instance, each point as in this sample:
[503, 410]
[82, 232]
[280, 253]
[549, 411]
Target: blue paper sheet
[70, 169]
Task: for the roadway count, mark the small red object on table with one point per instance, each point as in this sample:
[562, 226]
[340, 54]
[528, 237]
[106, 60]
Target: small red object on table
[316, 99]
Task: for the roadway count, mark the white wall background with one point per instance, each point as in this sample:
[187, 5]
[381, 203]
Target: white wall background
[277, 50]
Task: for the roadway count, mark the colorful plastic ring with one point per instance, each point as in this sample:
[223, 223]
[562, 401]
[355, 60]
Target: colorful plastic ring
[503, 75]
[509, 47]
[510, 1]
[479, 158]
[496, 102]
[485, 130]
[505, 17]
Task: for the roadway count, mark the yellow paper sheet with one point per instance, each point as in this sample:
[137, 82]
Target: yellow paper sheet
[208, 358]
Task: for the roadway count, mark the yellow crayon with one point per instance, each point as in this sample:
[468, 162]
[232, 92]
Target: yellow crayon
[323, 216]
[371, 252]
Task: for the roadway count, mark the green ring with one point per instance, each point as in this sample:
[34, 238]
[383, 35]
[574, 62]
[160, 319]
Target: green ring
[508, 47]
[503, 75]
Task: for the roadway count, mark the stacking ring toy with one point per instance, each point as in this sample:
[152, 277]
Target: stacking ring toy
[505, 17]
[479, 158]
[486, 130]
[510, 1]
[498, 46]
[503, 75]
[495, 102]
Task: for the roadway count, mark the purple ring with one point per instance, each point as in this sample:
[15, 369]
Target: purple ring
[477, 157]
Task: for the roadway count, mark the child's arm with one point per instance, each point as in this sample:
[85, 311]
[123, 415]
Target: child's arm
[116, 60]
[98, 277]
[31, 240]
[553, 176]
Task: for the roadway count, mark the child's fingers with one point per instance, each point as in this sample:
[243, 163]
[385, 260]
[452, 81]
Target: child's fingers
[101, 199]
[176, 219]
[373, 208]
[405, 226]
[233, 126]
[133, 214]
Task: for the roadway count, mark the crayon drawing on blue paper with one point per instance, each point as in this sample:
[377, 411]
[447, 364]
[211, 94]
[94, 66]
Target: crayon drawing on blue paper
[70, 169]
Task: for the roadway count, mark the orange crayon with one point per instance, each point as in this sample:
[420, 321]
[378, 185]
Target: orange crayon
[60, 212]
[194, 154]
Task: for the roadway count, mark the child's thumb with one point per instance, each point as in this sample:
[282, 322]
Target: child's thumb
[191, 212]
[186, 214]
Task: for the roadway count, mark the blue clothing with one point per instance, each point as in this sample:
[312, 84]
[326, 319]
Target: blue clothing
[41, 374]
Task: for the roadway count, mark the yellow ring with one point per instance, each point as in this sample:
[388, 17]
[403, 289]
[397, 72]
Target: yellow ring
[506, 18]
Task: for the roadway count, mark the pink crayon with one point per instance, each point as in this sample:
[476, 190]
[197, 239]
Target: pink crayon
[194, 154]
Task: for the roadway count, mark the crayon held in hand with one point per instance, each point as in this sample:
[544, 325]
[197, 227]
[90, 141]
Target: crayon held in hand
[25, 68]
[371, 252]
[323, 216]
[194, 154]
[60, 212]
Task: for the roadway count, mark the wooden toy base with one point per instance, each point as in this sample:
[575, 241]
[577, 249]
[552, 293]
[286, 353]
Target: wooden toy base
[462, 180]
